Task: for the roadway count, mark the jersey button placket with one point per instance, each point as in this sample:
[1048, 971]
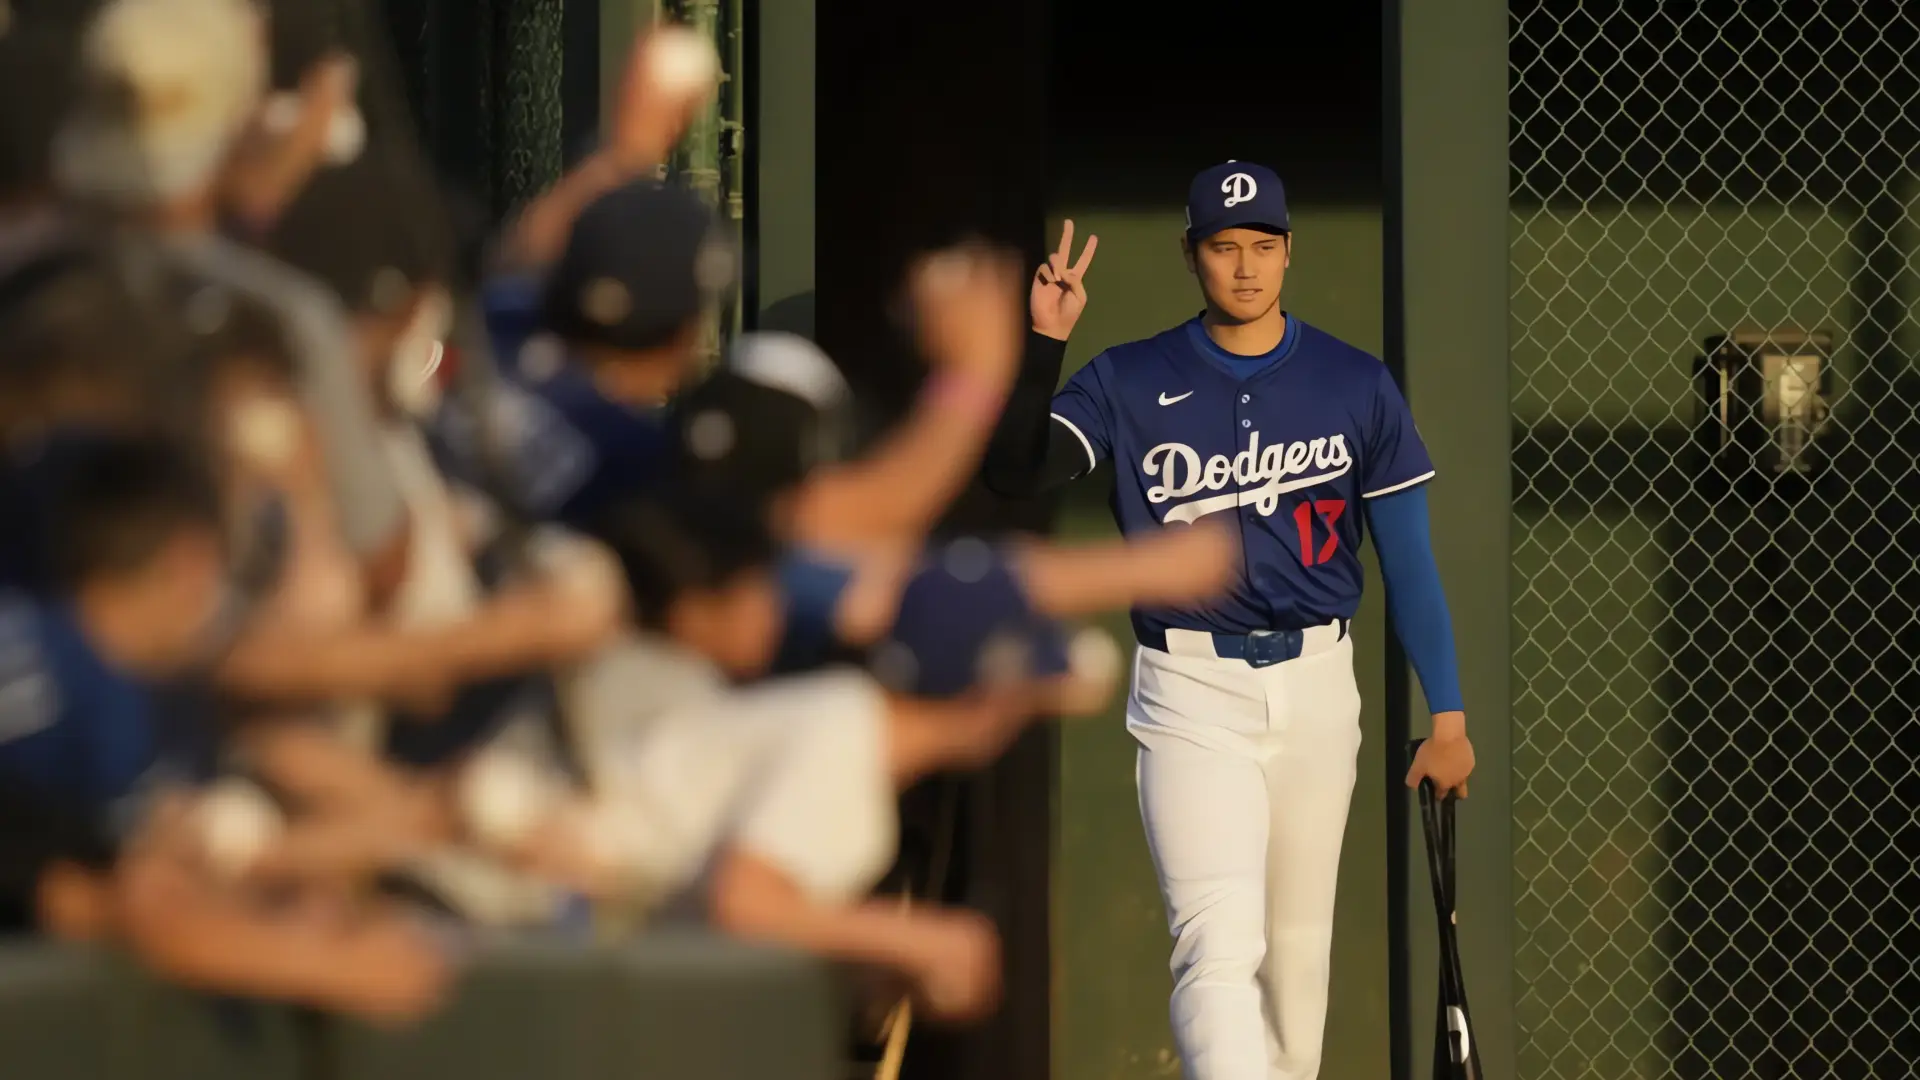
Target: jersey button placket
[1248, 511]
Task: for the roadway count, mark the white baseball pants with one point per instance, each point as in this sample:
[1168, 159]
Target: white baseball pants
[1245, 775]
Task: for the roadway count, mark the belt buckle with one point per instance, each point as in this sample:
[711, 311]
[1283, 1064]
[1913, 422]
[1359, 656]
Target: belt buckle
[1266, 648]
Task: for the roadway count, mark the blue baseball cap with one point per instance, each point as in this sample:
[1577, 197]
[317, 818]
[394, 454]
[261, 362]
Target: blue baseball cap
[642, 262]
[778, 408]
[965, 622]
[1236, 195]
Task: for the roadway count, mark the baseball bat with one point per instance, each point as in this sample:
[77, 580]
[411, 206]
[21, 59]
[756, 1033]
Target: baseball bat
[899, 1023]
[1456, 1053]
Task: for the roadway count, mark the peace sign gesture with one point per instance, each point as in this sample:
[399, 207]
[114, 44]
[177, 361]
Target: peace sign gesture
[1058, 297]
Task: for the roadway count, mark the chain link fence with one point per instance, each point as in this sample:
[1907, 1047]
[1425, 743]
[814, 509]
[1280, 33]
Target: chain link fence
[484, 81]
[1717, 613]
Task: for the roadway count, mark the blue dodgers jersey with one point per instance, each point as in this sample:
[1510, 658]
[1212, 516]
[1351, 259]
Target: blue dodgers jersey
[72, 729]
[570, 449]
[1288, 450]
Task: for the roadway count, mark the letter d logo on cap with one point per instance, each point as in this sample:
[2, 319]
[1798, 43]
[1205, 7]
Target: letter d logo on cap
[1238, 188]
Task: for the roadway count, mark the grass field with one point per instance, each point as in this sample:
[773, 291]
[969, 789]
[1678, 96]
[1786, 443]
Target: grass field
[1110, 936]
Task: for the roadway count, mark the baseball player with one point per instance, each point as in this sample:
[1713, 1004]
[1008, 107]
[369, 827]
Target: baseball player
[1245, 709]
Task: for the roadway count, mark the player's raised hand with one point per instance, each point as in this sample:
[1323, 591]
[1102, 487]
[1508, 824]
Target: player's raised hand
[966, 311]
[1059, 292]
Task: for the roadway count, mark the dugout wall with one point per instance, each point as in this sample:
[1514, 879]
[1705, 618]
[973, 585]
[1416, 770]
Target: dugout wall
[668, 1005]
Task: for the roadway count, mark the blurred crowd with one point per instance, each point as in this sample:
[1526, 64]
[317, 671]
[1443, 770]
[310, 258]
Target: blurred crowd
[362, 599]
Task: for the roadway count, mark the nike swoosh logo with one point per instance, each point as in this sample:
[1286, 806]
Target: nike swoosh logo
[1165, 400]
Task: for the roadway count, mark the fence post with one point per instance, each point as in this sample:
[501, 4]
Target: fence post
[1446, 332]
[779, 164]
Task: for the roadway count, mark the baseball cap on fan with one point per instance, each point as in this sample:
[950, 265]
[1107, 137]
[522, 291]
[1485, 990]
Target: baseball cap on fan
[775, 410]
[641, 264]
[1236, 195]
[965, 622]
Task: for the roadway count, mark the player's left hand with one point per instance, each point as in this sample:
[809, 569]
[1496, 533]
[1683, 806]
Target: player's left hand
[1446, 758]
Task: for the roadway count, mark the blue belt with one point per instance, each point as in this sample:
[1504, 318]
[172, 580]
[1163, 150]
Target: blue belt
[1261, 648]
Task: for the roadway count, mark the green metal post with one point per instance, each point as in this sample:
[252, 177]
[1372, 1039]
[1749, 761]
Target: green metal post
[1447, 294]
[733, 146]
[709, 157]
[780, 155]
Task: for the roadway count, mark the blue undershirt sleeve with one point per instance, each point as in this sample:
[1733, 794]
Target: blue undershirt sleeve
[813, 587]
[1415, 601]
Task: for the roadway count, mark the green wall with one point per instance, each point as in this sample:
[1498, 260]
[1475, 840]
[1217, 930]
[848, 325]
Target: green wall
[1111, 942]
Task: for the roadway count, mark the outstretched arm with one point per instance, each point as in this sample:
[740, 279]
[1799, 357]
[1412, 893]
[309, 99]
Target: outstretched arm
[670, 74]
[198, 931]
[967, 306]
[899, 491]
[952, 957]
[1182, 564]
[553, 619]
